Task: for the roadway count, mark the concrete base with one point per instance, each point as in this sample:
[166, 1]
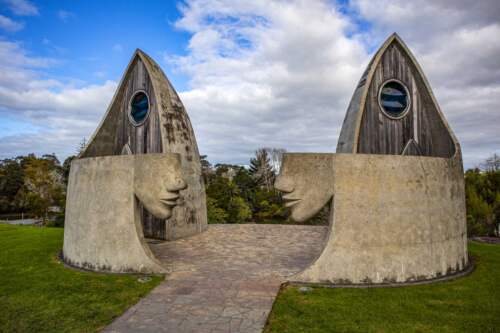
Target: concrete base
[103, 231]
[395, 219]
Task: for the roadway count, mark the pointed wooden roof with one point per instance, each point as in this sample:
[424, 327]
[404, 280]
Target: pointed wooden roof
[349, 139]
[174, 124]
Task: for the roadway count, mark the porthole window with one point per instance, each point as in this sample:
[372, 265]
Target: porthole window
[394, 99]
[139, 108]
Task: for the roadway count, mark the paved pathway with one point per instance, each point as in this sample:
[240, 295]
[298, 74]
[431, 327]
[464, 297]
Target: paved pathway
[224, 280]
[22, 222]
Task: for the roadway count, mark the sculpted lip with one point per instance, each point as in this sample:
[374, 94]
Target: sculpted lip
[170, 199]
[289, 202]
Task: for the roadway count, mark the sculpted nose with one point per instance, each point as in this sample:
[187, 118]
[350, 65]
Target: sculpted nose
[178, 184]
[283, 184]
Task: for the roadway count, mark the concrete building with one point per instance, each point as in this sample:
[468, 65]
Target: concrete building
[139, 177]
[396, 183]
[147, 116]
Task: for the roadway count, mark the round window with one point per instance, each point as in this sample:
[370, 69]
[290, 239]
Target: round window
[394, 99]
[139, 108]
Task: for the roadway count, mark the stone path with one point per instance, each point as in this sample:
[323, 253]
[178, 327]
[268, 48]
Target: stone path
[224, 280]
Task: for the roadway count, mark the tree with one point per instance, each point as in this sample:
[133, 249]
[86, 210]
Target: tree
[81, 146]
[66, 168]
[52, 158]
[238, 210]
[246, 184]
[492, 163]
[268, 206]
[206, 169]
[224, 195]
[276, 156]
[482, 191]
[43, 185]
[261, 169]
[11, 181]
[215, 214]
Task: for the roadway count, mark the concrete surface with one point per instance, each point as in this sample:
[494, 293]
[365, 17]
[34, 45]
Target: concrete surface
[394, 218]
[224, 280]
[103, 230]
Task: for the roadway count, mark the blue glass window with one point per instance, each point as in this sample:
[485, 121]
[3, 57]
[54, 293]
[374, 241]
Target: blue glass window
[139, 107]
[394, 99]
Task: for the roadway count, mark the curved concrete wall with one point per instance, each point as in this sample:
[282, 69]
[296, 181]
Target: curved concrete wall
[394, 218]
[102, 229]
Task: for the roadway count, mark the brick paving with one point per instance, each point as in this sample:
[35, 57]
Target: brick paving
[223, 280]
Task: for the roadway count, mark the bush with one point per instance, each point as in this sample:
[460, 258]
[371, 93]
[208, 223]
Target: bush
[482, 192]
[239, 211]
[215, 214]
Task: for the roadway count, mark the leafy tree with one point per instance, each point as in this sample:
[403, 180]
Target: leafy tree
[222, 190]
[224, 194]
[246, 184]
[215, 214]
[42, 185]
[482, 189]
[238, 210]
[206, 169]
[66, 168]
[11, 181]
[236, 194]
[52, 158]
[269, 206]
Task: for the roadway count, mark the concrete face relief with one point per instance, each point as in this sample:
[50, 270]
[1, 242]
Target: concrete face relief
[306, 182]
[103, 229]
[394, 219]
[157, 185]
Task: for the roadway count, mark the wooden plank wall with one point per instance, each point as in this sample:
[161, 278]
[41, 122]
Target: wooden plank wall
[380, 134]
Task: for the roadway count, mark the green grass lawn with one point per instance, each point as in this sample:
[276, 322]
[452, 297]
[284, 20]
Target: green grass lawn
[39, 294]
[468, 304]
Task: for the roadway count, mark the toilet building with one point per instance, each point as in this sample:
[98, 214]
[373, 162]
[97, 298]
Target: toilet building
[147, 116]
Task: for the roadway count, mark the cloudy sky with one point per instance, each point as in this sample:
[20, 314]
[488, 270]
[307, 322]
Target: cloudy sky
[251, 73]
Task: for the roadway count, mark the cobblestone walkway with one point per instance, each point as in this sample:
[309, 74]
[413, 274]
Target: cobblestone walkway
[224, 280]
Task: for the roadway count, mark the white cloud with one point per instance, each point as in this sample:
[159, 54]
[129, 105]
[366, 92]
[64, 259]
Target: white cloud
[272, 73]
[9, 24]
[13, 54]
[100, 74]
[65, 15]
[22, 7]
[61, 113]
[267, 74]
[118, 48]
[281, 74]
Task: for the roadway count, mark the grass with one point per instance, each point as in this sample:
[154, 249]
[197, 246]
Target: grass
[469, 304]
[39, 294]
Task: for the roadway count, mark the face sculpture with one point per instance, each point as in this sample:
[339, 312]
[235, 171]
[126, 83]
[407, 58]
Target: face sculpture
[157, 183]
[306, 181]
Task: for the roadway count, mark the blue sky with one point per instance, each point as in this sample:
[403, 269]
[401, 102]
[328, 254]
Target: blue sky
[93, 40]
[251, 74]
